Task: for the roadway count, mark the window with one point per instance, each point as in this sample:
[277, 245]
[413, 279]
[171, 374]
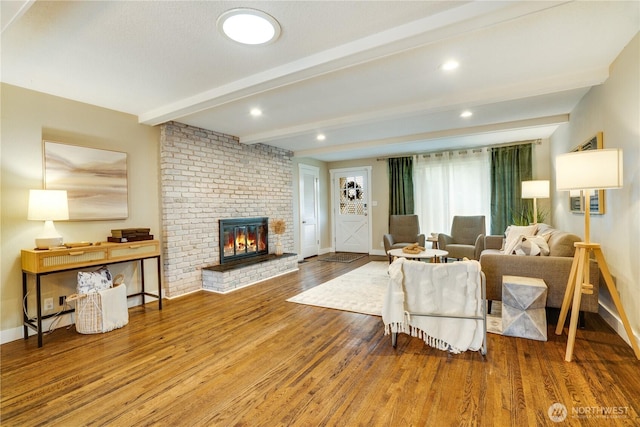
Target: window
[449, 184]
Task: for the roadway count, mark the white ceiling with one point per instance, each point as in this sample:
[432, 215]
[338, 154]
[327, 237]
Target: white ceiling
[366, 74]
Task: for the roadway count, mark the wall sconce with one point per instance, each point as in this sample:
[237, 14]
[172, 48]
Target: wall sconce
[48, 206]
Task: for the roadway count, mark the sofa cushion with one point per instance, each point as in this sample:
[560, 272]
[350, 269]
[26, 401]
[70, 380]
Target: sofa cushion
[561, 243]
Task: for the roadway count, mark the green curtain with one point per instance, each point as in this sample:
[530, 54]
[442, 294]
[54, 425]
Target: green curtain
[400, 185]
[509, 167]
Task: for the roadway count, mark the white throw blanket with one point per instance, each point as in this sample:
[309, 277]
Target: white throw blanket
[115, 313]
[445, 289]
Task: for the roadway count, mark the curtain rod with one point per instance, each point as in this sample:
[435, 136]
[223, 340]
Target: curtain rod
[506, 144]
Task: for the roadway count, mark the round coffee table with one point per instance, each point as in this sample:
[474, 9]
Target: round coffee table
[433, 254]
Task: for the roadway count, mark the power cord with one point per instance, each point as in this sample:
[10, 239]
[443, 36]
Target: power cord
[57, 317]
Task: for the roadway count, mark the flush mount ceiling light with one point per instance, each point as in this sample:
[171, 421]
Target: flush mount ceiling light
[466, 114]
[450, 65]
[249, 26]
[321, 137]
[255, 112]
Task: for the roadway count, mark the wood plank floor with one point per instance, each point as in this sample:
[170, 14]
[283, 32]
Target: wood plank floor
[250, 358]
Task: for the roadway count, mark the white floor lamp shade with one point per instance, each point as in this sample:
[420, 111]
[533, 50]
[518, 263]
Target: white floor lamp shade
[48, 206]
[589, 170]
[537, 189]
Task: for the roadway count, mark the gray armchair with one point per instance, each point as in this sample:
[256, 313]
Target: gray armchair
[466, 239]
[403, 231]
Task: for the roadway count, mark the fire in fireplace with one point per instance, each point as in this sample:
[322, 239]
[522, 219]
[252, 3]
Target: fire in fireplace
[243, 238]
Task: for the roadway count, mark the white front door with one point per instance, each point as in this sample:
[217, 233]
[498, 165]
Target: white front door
[309, 228]
[351, 209]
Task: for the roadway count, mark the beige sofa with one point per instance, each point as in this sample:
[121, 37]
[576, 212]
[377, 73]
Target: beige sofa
[554, 269]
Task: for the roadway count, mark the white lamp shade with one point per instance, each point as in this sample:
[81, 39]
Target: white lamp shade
[538, 189]
[48, 205]
[589, 170]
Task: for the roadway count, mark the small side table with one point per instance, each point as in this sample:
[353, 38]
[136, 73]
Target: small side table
[523, 307]
[427, 254]
[434, 241]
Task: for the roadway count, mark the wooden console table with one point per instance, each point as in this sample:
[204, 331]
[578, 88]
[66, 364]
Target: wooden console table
[43, 262]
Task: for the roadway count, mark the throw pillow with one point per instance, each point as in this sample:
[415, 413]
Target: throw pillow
[532, 246]
[515, 233]
[94, 281]
[544, 228]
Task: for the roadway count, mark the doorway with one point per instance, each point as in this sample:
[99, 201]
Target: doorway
[309, 177]
[350, 209]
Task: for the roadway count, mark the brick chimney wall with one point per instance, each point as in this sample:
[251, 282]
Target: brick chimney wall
[206, 176]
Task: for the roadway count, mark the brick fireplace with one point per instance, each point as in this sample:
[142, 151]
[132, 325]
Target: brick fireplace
[207, 176]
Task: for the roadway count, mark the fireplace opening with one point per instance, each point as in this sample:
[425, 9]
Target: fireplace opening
[242, 238]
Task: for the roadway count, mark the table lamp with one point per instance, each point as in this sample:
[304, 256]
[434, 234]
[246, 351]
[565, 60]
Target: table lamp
[587, 171]
[538, 189]
[48, 206]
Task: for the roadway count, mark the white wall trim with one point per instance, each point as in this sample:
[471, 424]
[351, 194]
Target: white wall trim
[15, 334]
[611, 317]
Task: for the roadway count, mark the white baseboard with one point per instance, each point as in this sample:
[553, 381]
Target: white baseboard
[64, 320]
[15, 334]
[611, 317]
[185, 294]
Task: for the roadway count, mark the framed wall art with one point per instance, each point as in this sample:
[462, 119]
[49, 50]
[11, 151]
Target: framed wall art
[596, 199]
[95, 180]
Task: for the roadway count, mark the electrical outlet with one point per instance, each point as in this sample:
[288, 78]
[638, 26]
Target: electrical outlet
[48, 303]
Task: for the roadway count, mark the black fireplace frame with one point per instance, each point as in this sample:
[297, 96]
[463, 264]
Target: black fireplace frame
[243, 222]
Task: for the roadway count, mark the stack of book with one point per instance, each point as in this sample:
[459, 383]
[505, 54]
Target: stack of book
[130, 235]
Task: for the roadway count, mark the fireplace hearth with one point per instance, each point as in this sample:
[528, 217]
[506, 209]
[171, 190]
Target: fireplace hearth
[243, 239]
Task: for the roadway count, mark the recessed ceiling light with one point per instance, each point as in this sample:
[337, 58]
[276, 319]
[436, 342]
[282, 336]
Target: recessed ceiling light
[255, 112]
[451, 64]
[249, 26]
[321, 137]
[466, 114]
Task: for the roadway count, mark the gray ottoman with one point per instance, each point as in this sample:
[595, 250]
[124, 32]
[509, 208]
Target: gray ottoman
[523, 303]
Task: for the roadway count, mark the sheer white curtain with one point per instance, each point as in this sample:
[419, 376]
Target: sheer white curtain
[451, 183]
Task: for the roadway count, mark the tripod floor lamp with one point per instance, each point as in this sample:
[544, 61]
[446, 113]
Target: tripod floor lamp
[587, 171]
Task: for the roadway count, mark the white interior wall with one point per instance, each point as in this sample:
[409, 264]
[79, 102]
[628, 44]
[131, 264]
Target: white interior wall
[614, 109]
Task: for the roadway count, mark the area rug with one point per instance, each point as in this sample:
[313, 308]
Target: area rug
[360, 291]
[494, 319]
[342, 257]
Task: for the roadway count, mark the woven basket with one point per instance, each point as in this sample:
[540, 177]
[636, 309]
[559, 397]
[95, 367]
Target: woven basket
[89, 314]
[89, 318]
